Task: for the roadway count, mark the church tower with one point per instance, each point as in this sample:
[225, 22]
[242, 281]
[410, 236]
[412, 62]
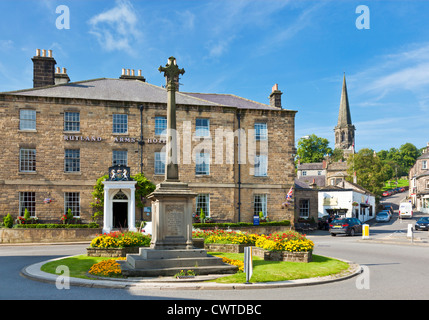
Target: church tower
[345, 130]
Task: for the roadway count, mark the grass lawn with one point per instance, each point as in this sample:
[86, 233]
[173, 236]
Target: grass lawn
[263, 271]
[392, 184]
[267, 271]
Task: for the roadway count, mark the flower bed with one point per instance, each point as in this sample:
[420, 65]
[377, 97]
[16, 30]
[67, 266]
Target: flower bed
[107, 268]
[121, 240]
[117, 244]
[286, 246]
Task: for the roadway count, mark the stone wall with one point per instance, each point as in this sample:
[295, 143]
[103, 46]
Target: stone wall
[32, 235]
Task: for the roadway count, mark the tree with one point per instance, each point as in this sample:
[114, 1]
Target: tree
[370, 170]
[313, 149]
[143, 188]
[399, 160]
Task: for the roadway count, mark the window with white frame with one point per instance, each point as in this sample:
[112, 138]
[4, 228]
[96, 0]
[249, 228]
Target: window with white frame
[202, 163]
[71, 121]
[427, 184]
[159, 162]
[304, 208]
[260, 204]
[27, 160]
[261, 165]
[203, 202]
[27, 119]
[261, 132]
[72, 202]
[202, 127]
[160, 126]
[120, 157]
[424, 164]
[120, 123]
[72, 160]
[27, 200]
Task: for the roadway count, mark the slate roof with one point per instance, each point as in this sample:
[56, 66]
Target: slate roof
[132, 90]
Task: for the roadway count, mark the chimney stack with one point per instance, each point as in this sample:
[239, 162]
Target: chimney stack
[130, 74]
[43, 69]
[276, 97]
[61, 77]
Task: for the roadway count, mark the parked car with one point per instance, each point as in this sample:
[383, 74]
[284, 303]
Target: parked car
[386, 193]
[405, 210]
[388, 208]
[348, 226]
[382, 216]
[422, 224]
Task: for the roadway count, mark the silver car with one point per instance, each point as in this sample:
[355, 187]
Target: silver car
[382, 217]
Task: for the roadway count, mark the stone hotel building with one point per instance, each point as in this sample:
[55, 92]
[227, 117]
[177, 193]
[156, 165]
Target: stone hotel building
[60, 136]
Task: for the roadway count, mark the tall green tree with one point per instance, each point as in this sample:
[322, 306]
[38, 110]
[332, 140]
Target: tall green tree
[370, 170]
[313, 149]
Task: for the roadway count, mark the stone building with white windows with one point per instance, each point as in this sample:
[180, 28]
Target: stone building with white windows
[61, 136]
[419, 182]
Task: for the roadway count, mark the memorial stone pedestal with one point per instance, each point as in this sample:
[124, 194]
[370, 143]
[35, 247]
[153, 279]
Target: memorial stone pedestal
[171, 247]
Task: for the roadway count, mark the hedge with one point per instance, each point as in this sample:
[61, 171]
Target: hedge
[241, 224]
[57, 226]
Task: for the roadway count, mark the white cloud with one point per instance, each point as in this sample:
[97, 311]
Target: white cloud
[116, 29]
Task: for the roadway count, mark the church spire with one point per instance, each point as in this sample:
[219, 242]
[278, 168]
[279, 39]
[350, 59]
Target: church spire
[345, 130]
[344, 116]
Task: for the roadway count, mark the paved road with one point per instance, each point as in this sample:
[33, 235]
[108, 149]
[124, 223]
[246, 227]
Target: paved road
[392, 271]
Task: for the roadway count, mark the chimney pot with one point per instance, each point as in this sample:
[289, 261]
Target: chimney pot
[140, 74]
[276, 97]
[43, 69]
[132, 72]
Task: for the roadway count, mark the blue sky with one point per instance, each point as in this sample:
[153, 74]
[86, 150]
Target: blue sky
[244, 47]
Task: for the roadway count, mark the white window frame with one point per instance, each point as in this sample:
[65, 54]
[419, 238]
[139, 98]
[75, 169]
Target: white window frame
[261, 165]
[159, 163]
[120, 157]
[27, 160]
[202, 129]
[261, 131]
[424, 165]
[74, 204]
[203, 201]
[304, 211]
[27, 200]
[260, 204]
[120, 123]
[74, 161]
[27, 120]
[71, 121]
[202, 164]
[160, 126]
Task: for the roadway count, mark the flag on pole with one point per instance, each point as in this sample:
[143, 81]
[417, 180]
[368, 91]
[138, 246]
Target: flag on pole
[288, 197]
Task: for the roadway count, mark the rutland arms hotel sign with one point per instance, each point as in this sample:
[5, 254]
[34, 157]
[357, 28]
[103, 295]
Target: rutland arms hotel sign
[116, 140]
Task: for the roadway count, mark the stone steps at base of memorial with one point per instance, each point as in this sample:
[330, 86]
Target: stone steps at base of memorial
[129, 271]
[138, 262]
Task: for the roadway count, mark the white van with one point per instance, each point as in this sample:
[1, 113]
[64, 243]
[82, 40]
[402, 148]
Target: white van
[405, 210]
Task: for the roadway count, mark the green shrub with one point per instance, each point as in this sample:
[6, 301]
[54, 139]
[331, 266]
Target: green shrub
[91, 225]
[8, 221]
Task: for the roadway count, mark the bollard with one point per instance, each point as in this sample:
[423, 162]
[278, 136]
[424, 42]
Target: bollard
[248, 263]
[410, 231]
[365, 231]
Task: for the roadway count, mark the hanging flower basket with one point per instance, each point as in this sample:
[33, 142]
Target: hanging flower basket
[355, 204]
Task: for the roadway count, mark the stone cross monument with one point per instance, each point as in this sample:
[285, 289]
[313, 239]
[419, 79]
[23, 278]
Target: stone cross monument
[171, 72]
[171, 248]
